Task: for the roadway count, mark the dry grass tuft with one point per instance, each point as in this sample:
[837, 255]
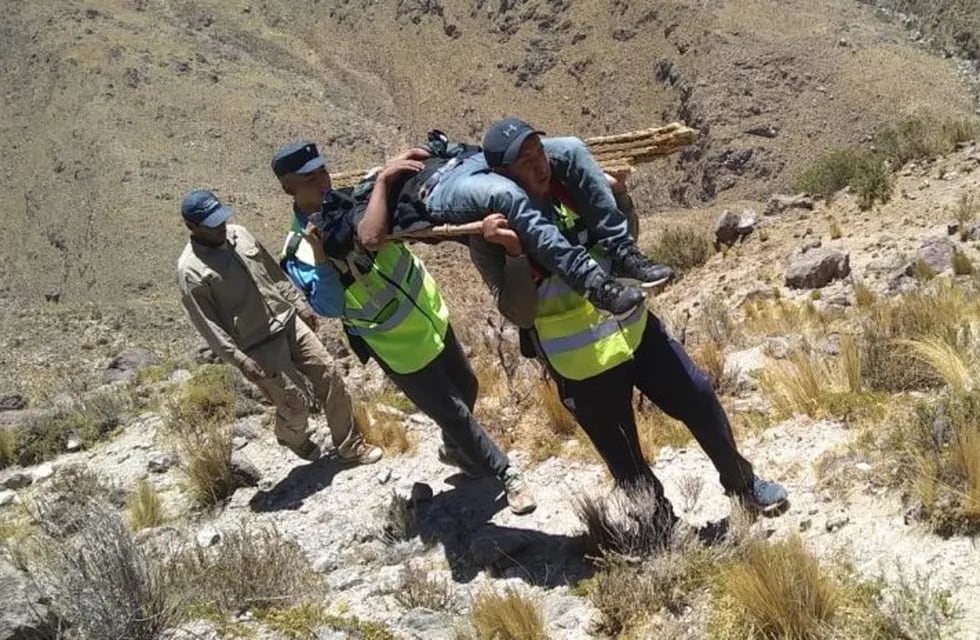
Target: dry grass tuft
[630, 522]
[941, 440]
[251, 568]
[199, 420]
[945, 312]
[100, 582]
[682, 247]
[91, 419]
[966, 214]
[206, 463]
[781, 317]
[834, 230]
[8, 446]
[419, 589]
[383, 429]
[944, 359]
[864, 296]
[962, 265]
[560, 420]
[656, 430]
[777, 590]
[506, 615]
[144, 507]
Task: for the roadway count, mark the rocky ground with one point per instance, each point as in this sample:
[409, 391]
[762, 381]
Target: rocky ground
[463, 532]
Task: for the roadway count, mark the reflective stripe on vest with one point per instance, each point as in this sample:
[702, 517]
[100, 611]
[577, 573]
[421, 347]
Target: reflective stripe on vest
[394, 306]
[577, 339]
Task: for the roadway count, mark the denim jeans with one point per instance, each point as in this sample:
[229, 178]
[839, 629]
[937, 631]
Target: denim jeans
[472, 191]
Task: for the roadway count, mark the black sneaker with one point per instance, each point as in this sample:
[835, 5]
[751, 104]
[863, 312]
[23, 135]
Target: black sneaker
[637, 267]
[615, 298]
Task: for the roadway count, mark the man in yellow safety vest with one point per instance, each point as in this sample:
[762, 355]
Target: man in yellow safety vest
[389, 305]
[597, 359]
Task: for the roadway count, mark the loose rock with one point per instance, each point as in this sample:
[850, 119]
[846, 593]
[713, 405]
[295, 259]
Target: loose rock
[126, 364]
[781, 203]
[817, 268]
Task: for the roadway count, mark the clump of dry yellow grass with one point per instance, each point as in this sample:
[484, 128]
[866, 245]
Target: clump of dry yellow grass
[144, 507]
[506, 615]
[384, 429]
[778, 590]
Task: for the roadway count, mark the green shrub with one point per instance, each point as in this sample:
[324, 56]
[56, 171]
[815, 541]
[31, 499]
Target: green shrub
[833, 171]
[682, 247]
[872, 182]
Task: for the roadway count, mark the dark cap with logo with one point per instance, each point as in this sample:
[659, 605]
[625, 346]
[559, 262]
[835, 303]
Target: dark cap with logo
[204, 208]
[298, 157]
[502, 141]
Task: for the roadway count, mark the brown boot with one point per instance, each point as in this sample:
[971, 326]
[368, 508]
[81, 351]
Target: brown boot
[520, 498]
[361, 453]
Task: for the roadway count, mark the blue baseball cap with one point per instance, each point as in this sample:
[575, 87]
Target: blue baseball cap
[204, 208]
[298, 157]
[502, 141]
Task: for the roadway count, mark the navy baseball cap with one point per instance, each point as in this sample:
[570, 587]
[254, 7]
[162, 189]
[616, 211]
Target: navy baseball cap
[502, 141]
[298, 157]
[204, 208]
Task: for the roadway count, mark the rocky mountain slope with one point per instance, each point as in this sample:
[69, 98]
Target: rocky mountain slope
[113, 109]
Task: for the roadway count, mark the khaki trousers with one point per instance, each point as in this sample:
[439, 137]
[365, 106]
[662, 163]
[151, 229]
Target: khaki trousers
[300, 377]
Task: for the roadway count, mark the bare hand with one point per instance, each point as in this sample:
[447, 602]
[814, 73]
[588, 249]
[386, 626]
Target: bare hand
[399, 166]
[252, 369]
[309, 318]
[617, 179]
[496, 231]
[415, 153]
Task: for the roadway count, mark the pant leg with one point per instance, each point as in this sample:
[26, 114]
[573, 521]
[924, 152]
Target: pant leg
[603, 407]
[292, 403]
[291, 425]
[434, 391]
[312, 360]
[462, 196]
[459, 370]
[578, 172]
[667, 376]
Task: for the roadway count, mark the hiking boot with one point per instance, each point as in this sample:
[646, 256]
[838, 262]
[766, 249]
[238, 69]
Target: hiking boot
[308, 451]
[765, 497]
[615, 298]
[361, 453]
[635, 266]
[453, 457]
[519, 496]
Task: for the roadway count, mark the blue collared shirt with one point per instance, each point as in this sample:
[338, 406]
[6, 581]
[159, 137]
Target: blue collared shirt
[320, 283]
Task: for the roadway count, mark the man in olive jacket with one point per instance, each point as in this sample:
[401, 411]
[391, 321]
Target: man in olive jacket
[246, 309]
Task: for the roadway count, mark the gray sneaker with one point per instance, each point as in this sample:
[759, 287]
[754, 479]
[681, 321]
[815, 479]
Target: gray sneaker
[520, 499]
[765, 497]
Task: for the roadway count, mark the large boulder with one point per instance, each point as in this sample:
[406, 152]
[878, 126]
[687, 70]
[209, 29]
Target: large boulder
[817, 268]
[936, 252]
[23, 614]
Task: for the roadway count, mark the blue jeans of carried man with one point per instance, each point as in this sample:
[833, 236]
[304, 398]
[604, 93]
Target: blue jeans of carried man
[472, 190]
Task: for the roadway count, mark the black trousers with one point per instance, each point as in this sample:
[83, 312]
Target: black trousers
[446, 390]
[664, 373]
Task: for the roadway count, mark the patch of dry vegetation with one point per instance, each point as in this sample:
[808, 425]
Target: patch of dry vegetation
[683, 247]
[944, 313]
[941, 443]
[781, 591]
[383, 428]
[144, 507]
[419, 588]
[505, 615]
[90, 419]
[199, 420]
